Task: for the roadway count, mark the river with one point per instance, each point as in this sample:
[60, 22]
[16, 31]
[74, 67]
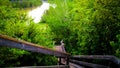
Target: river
[38, 12]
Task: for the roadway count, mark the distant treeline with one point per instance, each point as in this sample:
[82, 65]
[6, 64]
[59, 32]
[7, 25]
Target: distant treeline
[25, 3]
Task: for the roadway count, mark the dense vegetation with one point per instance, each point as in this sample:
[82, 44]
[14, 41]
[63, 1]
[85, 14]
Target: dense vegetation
[86, 26]
[16, 24]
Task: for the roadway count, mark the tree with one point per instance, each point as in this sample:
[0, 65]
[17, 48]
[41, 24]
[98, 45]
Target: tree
[96, 25]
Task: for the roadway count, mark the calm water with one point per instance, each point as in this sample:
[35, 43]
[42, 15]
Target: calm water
[37, 13]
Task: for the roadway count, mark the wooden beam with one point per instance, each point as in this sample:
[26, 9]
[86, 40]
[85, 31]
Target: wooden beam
[55, 66]
[72, 65]
[20, 44]
[88, 65]
[100, 57]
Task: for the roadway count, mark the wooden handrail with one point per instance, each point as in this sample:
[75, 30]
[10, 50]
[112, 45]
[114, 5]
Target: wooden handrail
[100, 57]
[88, 65]
[53, 66]
[16, 43]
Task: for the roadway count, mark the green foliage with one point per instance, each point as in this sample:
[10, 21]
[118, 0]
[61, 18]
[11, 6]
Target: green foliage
[81, 29]
[106, 21]
[16, 24]
[95, 24]
[57, 19]
[5, 2]
[89, 26]
[86, 26]
[116, 45]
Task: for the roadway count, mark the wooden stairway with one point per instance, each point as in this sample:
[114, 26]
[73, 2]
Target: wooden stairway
[64, 59]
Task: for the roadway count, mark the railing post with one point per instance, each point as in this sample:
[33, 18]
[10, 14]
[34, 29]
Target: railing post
[59, 60]
[67, 61]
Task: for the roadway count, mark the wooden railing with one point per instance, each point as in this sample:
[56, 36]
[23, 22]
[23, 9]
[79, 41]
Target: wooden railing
[64, 59]
[54, 66]
[20, 44]
[114, 61]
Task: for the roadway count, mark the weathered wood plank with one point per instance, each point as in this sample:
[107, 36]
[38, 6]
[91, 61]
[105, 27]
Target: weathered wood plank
[89, 65]
[60, 48]
[72, 65]
[56, 66]
[100, 57]
[16, 43]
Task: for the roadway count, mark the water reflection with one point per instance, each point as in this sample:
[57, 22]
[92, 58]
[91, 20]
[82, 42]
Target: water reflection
[37, 13]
